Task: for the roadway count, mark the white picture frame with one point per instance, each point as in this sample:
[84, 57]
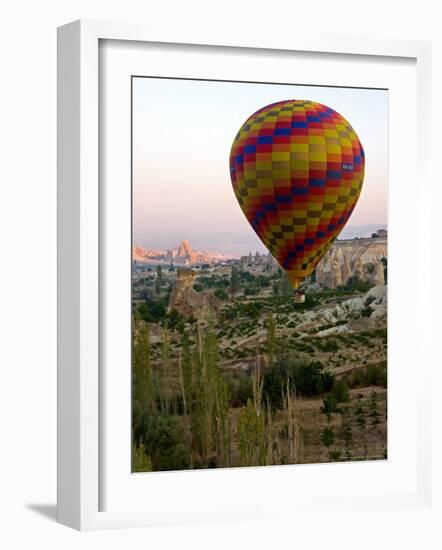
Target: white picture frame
[80, 294]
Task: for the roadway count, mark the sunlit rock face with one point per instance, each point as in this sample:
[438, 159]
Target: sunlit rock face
[361, 258]
[184, 254]
[188, 302]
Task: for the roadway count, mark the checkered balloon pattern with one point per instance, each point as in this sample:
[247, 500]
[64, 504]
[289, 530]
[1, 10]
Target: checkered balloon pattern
[297, 169]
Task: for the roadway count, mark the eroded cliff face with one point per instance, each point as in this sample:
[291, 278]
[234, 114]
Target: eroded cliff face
[188, 302]
[360, 258]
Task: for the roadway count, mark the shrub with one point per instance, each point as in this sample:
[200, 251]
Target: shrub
[354, 283]
[163, 439]
[262, 281]
[367, 311]
[330, 346]
[141, 462]
[153, 311]
[251, 291]
[221, 294]
[246, 276]
[335, 456]
[252, 309]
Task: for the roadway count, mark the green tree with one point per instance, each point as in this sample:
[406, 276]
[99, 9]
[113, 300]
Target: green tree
[276, 287]
[367, 311]
[251, 436]
[346, 432]
[286, 287]
[153, 311]
[217, 399]
[210, 401]
[141, 462]
[186, 373]
[306, 378]
[234, 281]
[360, 415]
[159, 279]
[251, 291]
[329, 406]
[221, 294]
[271, 339]
[175, 321]
[373, 409]
[331, 346]
[327, 436]
[252, 309]
[165, 371]
[142, 379]
[310, 379]
[164, 442]
[328, 380]
[340, 391]
[335, 456]
[293, 425]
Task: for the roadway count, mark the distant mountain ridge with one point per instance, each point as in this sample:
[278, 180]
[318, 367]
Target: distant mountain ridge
[183, 254]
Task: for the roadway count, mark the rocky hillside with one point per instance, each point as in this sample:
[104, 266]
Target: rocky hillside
[360, 313]
[361, 258]
[184, 254]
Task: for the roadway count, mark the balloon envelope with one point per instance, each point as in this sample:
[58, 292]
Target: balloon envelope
[297, 169]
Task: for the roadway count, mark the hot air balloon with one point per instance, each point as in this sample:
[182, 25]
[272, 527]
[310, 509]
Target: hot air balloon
[297, 169]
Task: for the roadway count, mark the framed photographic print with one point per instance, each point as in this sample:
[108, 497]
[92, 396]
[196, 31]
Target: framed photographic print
[277, 356]
[232, 222]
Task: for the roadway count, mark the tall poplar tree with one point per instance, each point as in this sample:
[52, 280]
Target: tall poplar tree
[142, 382]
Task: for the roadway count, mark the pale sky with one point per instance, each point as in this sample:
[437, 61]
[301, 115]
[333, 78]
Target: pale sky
[182, 134]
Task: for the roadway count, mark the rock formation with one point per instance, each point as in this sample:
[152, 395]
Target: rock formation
[188, 302]
[185, 250]
[361, 258]
[184, 254]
